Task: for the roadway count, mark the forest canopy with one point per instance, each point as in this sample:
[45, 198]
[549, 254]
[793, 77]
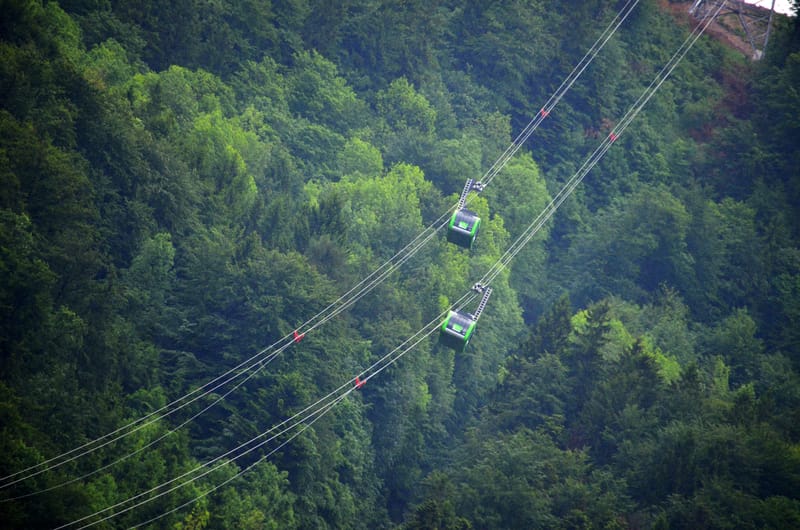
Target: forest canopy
[183, 184]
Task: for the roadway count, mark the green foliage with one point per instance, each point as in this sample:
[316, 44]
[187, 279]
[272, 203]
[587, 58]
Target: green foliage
[260, 500]
[523, 480]
[735, 340]
[107, 65]
[395, 198]
[642, 243]
[184, 183]
[409, 120]
[360, 157]
[508, 44]
[520, 194]
[316, 92]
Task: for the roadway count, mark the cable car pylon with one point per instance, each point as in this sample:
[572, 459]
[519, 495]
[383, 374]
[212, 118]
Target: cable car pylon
[755, 20]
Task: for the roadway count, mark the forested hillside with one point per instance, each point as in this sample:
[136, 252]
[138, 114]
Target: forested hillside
[184, 184]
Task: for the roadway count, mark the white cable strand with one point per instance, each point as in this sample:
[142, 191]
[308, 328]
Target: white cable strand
[343, 304]
[255, 361]
[425, 332]
[213, 464]
[335, 308]
[600, 151]
[131, 424]
[409, 250]
[152, 442]
[573, 182]
[248, 468]
[565, 86]
[377, 367]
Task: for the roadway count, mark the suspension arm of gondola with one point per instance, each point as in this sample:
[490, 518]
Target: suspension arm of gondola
[470, 185]
[487, 292]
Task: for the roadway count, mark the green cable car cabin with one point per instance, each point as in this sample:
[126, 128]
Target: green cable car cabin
[458, 327]
[463, 227]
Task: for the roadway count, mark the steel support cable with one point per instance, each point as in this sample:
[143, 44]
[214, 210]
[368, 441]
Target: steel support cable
[150, 443]
[425, 331]
[441, 223]
[335, 308]
[311, 411]
[134, 426]
[374, 370]
[543, 217]
[599, 152]
[332, 310]
[193, 417]
[512, 149]
[244, 470]
[209, 467]
[566, 191]
[237, 371]
[242, 368]
[143, 422]
[565, 86]
[260, 365]
[548, 211]
[551, 103]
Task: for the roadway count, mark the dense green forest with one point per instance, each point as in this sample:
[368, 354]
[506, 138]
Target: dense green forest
[184, 183]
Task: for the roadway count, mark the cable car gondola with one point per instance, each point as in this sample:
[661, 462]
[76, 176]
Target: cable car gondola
[458, 327]
[463, 227]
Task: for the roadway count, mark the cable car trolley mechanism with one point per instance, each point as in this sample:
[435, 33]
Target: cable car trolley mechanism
[463, 227]
[458, 327]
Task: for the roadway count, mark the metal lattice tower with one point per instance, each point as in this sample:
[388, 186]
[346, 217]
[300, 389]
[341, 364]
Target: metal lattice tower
[755, 22]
